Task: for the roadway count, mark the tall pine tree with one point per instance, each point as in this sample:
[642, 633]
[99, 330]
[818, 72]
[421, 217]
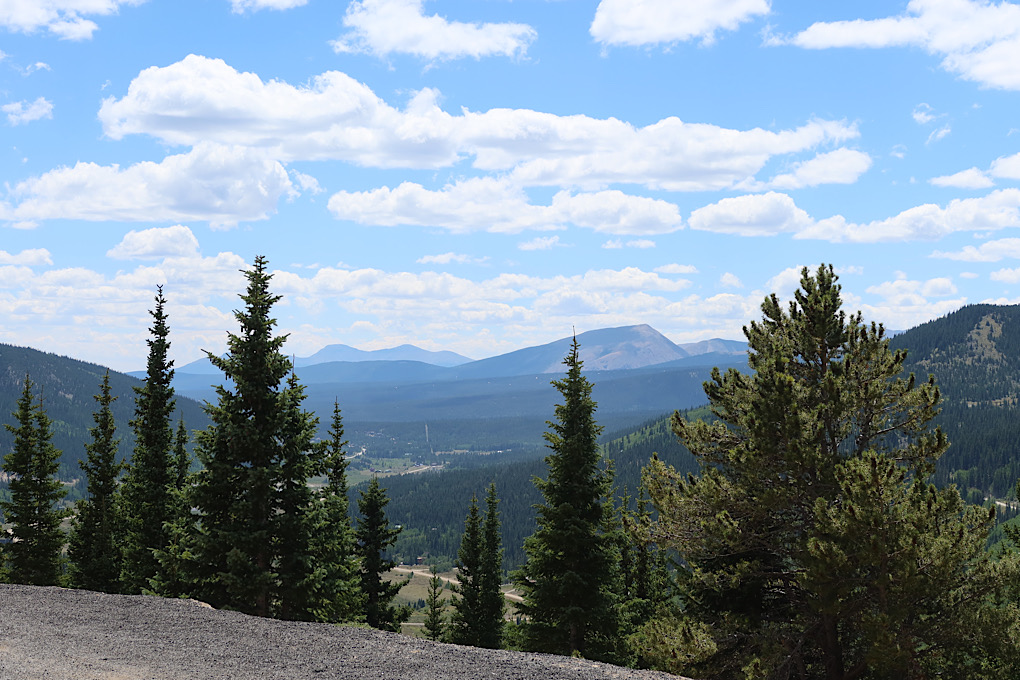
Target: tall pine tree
[815, 545]
[147, 505]
[477, 618]
[375, 536]
[569, 581]
[93, 553]
[340, 596]
[250, 548]
[33, 557]
[435, 619]
[170, 579]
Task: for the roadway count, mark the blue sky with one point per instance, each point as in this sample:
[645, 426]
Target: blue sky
[485, 175]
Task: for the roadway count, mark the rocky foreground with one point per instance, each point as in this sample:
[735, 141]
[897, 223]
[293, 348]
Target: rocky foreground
[58, 634]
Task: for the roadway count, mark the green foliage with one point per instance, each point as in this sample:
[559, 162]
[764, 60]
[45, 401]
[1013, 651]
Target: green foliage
[93, 552]
[249, 550]
[435, 619]
[374, 536]
[33, 556]
[477, 618]
[170, 579]
[569, 580]
[146, 500]
[815, 546]
[333, 543]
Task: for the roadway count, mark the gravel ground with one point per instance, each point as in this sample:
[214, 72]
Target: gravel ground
[59, 634]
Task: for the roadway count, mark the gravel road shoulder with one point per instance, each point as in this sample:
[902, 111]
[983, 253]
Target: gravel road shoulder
[59, 634]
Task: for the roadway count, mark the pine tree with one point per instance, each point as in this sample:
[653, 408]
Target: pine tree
[569, 580]
[249, 550]
[93, 552]
[492, 604]
[170, 579]
[374, 536]
[435, 620]
[34, 555]
[465, 621]
[334, 547]
[815, 545]
[147, 505]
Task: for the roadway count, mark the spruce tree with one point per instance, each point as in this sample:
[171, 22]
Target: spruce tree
[492, 604]
[375, 536]
[435, 619]
[33, 557]
[93, 553]
[340, 596]
[570, 578]
[815, 545]
[146, 491]
[249, 550]
[170, 579]
[465, 621]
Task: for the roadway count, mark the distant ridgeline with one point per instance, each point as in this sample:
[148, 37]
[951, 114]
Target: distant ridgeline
[974, 354]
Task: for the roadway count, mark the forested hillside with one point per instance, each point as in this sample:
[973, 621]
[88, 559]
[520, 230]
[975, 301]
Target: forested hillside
[68, 386]
[974, 354]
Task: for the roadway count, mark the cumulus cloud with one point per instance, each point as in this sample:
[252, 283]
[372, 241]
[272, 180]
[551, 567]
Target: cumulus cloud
[156, 243]
[842, 166]
[645, 22]
[751, 215]
[972, 178]
[990, 251]
[729, 280]
[335, 117]
[218, 184]
[63, 18]
[976, 39]
[22, 112]
[1006, 167]
[677, 269]
[384, 27]
[617, 244]
[1006, 275]
[497, 205]
[242, 6]
[26, 258]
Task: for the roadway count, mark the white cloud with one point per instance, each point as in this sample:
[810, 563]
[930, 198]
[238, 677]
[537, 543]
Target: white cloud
[540, 243]
[447, 258]
[26, 258]
[990, 251]
[337, 118]
[1006, 275]
[842, 166]
[751, 215]
[923, 114]
[241, 6]
[677, 269]
[644, 22]
[616, 244]
[1006, 167]
[977, 39]
[384, 27]
[156, 243]
[497, 205]
[63, 18]
[24, 112]
[307, 183]
[729, 280]
[221, 185]
[972, 178]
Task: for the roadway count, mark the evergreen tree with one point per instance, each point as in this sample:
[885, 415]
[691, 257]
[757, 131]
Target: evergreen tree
[95, 558]
[249, 550]
[170, 579]
[815, 546]
[374, 536]
[492, 604]
[334, 547]
[569, 580]
[465, 621]
[435, 620]
[146, 491]
[33, 557]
